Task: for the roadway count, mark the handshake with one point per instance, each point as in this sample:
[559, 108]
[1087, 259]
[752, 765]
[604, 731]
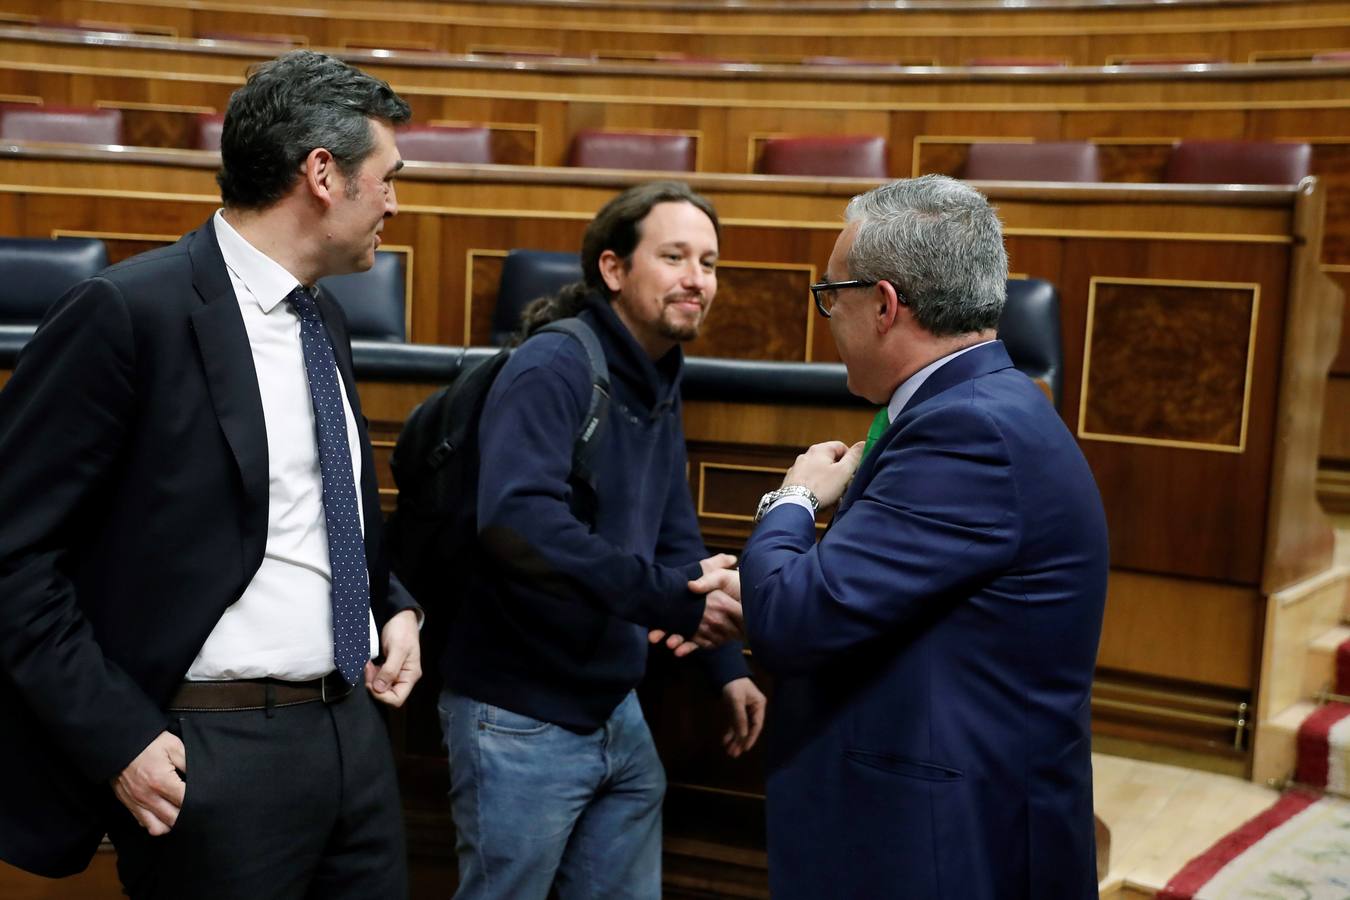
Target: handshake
[722, 619]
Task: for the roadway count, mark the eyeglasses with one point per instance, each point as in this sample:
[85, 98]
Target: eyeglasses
[824, 292]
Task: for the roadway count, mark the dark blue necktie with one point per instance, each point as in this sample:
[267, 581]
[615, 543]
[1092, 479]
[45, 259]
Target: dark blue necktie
[346, 548]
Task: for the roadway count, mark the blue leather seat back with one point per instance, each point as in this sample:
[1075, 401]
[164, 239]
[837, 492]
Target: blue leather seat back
[35, 272]
[375, 301]
[526, 276]
[1029, 328]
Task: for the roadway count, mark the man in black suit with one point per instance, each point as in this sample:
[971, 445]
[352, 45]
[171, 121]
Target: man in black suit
[190, 559]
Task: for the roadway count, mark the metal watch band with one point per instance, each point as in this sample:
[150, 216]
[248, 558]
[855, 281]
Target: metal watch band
[787, 490]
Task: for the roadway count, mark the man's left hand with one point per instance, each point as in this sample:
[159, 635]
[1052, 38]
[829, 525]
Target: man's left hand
[826, 469]
[746, 704]
[392, 682]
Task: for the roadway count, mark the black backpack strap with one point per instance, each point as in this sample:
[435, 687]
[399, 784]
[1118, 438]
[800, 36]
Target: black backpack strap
[584, 448]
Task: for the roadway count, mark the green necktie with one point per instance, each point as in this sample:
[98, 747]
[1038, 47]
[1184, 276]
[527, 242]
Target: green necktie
[879, 426]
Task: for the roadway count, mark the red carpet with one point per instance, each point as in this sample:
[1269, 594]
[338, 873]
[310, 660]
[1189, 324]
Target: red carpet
[1295, 849]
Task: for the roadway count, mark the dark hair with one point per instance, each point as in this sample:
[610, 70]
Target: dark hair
[287, 108]
[616, 227]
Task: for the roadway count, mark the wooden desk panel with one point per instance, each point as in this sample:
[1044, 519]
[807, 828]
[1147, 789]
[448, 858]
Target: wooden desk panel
[929, 123]
[1188, 511]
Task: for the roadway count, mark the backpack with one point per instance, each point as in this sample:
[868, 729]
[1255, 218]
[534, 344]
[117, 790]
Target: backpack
[432, 534]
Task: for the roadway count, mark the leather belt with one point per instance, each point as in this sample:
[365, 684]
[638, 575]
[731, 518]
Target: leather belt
[256, 693]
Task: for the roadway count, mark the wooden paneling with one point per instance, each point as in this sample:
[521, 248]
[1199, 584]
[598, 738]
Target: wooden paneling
[1174, 512]
[1169, 362]
[1181, 629]
[928, 121]
[1083, 36]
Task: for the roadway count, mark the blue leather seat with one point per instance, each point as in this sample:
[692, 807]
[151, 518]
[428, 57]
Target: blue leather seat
[526, 276]
[1029, 327]
[375, 301]
[35, 272]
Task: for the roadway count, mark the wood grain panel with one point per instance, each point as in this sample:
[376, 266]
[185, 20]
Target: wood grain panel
[1171, 512]
[1331, 163]
[485, 274]
[760, 312]
[1181, 629]
[1223, 534]
[1169, 362]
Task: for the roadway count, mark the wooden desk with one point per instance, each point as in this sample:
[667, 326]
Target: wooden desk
[1197, 334]
[929, 118]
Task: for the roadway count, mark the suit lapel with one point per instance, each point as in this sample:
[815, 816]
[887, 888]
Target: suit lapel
[227, 363]
[981, 361]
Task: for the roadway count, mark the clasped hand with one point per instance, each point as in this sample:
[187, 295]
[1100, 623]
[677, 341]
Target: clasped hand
[722, 619]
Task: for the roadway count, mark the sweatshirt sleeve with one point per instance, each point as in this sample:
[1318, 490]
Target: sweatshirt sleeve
[682, 541]
[525, 519]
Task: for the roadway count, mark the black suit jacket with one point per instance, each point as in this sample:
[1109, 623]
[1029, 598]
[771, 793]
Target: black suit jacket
[133, 491]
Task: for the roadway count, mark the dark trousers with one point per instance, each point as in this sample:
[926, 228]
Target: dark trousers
[296, 803]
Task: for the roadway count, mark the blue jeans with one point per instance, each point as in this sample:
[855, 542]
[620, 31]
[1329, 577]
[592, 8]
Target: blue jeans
[536, 805]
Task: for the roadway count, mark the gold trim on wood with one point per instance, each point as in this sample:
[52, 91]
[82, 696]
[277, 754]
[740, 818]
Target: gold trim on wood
[414, 46]
[1241, 445]
[566, 215]
[259, 37]
[921, 139]
[1163, 59]
[535, 129]
[115, 235]
[153, 107]
[703, 468]
[507, 50]
[808, 268]
[468, 287]
[21, 98]
[695, 133]
[135, 28]
[755, 138]
[1260, 56]
[1121, 141]
[407, 251]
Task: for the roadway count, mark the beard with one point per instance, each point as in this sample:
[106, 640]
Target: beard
[675, 326]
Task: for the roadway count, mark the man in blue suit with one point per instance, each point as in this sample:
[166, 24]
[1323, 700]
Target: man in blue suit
[934, 651]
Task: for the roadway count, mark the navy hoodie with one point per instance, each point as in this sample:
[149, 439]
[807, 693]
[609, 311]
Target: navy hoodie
[553, 624]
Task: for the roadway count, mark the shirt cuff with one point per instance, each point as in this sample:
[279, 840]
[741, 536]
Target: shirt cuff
[795, 500]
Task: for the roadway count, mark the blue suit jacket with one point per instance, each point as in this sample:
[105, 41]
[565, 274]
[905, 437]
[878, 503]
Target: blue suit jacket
[930, 727]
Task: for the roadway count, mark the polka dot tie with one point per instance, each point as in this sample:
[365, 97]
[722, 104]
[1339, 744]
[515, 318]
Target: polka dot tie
[346, 547]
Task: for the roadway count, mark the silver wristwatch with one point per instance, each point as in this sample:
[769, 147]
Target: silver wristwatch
[787, 490]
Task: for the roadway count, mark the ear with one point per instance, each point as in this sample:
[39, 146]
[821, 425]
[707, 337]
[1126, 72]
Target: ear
[610, 268]
[321, 175]
[889, 307]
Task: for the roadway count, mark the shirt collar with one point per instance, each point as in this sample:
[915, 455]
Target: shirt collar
[266, 279]
[910, 386]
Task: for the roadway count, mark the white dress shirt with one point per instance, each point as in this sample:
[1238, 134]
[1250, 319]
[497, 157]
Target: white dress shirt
[907, 389]
[281, 627]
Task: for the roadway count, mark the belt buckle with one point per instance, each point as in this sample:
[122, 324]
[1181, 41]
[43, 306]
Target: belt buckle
[341, 688]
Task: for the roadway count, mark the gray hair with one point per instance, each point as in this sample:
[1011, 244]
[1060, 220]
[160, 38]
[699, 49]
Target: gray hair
[939, 242]
[288, 107]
